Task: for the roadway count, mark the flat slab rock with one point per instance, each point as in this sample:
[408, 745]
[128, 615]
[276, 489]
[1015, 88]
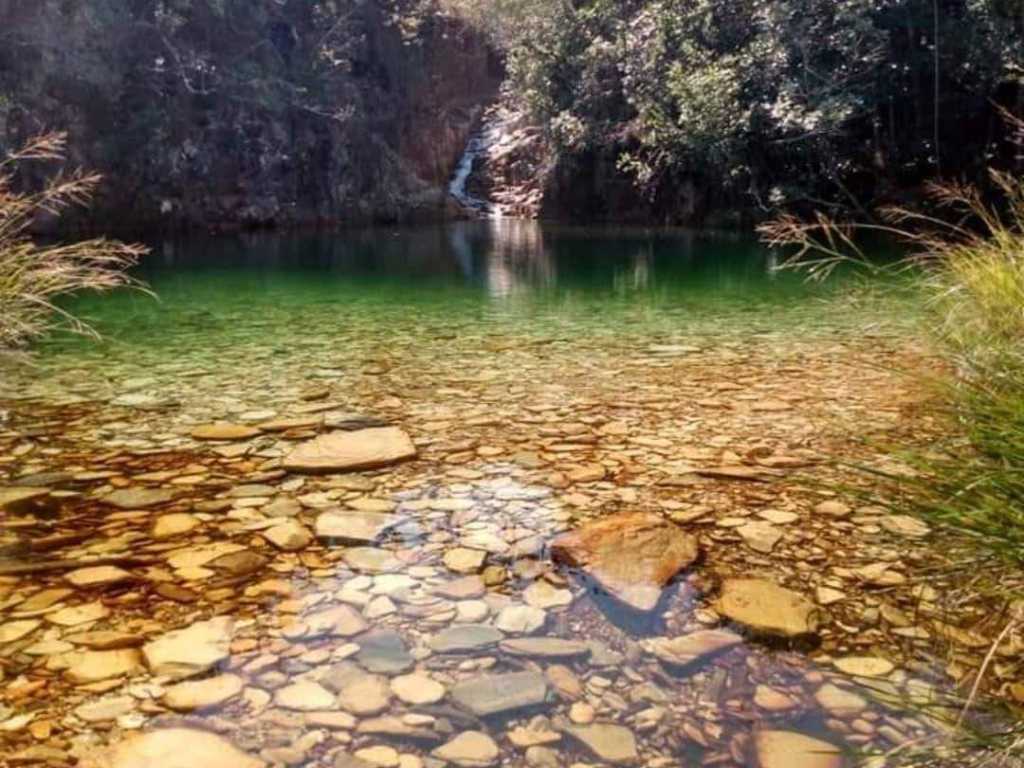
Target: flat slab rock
[545, 647]
[614, 744]
[94, 666]
[690, 649]
[173, 748]
[787, 749]
[351, 451]
[499, 694]
[350, 527]
[384, 652]
[18, 500]
[138, 498]
[190, 651]
[224, 431]
[203, 694]
[340, 621]
[465, 638]
[766, 608]
[471, 749]
[632, 556]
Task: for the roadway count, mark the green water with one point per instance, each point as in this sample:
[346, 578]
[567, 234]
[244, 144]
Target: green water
[507, 276]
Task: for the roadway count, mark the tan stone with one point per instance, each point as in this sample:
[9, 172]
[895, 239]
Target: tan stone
[203, 694]
[340, 621]
[632, 556]
[42, 600]
[173, 748]
[463, 560]
[765, 607]
[168, 526]
[786, 749]
[760, 536]
[839, 701]
[350, 451]
[864, 666]
[289, 536]
[417, 689]
[905, 525]
[16, 630]
[224, 431]
[93, 666]
[611, 743]
[78, 614]
[304, 696]
[697, 646]
[190, 651]
[833, 509]
[98, 576]
[470, 749]
[772, 700]
[354, 527]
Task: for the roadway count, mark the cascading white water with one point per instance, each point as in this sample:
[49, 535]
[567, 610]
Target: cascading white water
[457, 186]
[479, 145]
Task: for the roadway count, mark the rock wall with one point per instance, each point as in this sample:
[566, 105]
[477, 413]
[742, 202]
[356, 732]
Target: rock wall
[236, 115]
[524, 175]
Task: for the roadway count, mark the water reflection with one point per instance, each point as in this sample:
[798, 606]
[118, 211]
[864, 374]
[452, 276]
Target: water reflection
[500, 257]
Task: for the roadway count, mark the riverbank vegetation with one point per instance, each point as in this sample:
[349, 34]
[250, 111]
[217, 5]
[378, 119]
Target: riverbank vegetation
[967, 261]
[255, 114]
[33, 274]
[711, 109]
[969, 264]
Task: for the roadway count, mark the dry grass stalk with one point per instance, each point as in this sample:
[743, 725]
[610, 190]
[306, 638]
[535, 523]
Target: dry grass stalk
[33, 275]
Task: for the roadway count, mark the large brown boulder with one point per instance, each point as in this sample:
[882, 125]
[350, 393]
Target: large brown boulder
[632, 556]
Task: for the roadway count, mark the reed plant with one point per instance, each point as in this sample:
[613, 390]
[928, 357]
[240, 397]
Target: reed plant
[34, 274]
[966, 257]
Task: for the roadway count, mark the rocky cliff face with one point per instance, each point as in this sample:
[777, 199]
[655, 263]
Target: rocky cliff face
[523, 175]
[229, 114]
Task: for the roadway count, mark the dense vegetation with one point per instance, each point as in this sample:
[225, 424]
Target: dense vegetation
[223, 113]
[255, 113]
[755, 103]
[969, 266]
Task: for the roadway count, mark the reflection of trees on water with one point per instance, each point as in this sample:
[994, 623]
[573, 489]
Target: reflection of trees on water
[501, 258]
[518, 259]
[637, 276]
[508, 257]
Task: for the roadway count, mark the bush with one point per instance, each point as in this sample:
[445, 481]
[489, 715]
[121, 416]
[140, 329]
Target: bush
[33, 275]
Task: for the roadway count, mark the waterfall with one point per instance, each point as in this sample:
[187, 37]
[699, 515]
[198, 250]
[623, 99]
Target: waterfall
[478, 145]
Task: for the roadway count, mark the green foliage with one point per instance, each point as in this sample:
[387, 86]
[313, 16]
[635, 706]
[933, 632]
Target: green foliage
[774, 101]
[972, 274]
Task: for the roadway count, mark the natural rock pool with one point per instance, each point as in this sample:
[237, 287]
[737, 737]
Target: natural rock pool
[490, 494]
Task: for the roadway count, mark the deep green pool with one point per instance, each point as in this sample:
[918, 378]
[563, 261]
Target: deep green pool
[506, 276]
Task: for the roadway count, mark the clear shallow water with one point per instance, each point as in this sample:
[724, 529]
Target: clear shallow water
[503, 274]
[550, 378]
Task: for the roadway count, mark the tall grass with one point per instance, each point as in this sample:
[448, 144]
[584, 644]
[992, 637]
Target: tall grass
[968, 260]
[33, 275]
